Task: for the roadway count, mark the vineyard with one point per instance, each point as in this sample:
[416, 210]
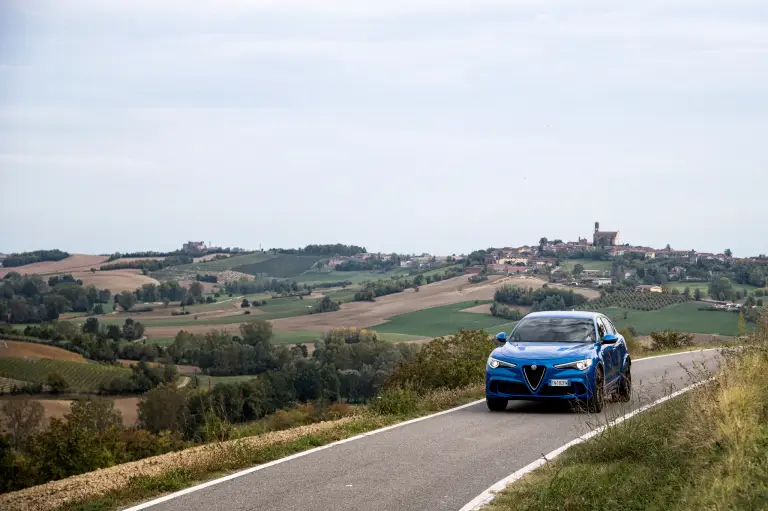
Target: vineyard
[6, 384]
[79, 376]
[634, 300]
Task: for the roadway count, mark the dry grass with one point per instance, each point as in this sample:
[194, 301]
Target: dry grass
[75, 262]
[114, 280]
[18, 349]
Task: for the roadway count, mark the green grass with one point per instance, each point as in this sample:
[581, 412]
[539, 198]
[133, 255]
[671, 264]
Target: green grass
[685, 317]
[704, 287]
[588, 264]
[280, 266]
[296, 336]
[356, 277]
[80, 376]
[443, 320]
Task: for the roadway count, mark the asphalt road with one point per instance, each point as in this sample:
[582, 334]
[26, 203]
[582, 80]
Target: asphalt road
[437, 464]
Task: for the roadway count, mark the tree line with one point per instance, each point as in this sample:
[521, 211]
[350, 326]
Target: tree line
[542, 299]
[334, 249]
[31, 299]
[36, 256]
[149, 264]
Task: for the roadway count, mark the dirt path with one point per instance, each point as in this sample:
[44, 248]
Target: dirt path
[183, 382]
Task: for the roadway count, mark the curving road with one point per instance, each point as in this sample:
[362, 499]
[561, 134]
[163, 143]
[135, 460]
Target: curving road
[440, 463]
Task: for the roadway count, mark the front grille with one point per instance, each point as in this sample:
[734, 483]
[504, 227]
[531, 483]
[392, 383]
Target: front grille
[534, 376]
[512, 388]
[574, 388]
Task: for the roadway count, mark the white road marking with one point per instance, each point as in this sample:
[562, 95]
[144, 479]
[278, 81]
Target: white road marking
[488, 495]
[250, 470]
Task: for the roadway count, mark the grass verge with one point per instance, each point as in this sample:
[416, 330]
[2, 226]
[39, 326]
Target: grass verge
[703, 450]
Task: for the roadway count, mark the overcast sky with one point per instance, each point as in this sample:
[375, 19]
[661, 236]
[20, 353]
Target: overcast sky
[401, 125]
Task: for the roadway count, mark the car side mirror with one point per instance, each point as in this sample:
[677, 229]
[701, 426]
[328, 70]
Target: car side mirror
[609, 339]
[501, 338]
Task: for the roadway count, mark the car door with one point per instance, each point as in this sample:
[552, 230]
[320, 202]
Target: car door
[620, 349]
[608, 352]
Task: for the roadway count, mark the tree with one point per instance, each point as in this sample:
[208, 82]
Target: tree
[697, 294]
[245, 303]
[727, 252]
[418, 280]
[721, 289]
[578, 270]
[113, 332]
[91, 326]
[23, 419]
[196, 291]
[98, 309]
[542, 244]
[57, 383]
[163, 409]
[257, 332]
[126, 299]
[94, 414]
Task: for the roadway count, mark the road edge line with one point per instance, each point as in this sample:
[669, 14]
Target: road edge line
[489, 494]
[250, 470]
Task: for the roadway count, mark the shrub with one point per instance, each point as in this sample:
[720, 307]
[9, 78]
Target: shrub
[632, 344]
[57, 383]
[670, 340]
[395, 401]
[446, 363]
[502, 311]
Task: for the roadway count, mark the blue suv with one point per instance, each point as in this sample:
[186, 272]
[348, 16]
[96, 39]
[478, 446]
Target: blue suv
[576, 356]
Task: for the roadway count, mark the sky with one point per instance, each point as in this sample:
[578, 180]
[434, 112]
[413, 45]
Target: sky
[401, 125]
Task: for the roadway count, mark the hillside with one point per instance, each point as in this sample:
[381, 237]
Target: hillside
[75, 262]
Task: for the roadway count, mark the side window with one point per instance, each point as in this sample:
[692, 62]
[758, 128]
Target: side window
[609, 326]
[600, 328]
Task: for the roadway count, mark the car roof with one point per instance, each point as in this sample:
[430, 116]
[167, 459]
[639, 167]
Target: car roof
[564, 314]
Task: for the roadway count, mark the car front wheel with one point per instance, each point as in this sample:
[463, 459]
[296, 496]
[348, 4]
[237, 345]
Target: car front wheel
[595, 403]
[625, 387]
[496, 404]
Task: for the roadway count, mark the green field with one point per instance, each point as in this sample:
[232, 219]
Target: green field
[588, 264]
[80, 376]
[356, 277]
[704, 287]
[281, 266]
[685, 317]
[205, 381]
[190, 270]
[443, 320]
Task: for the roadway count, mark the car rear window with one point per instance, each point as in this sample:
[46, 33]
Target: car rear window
[554, 330]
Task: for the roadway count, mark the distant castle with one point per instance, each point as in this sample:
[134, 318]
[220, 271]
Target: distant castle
[605, 238]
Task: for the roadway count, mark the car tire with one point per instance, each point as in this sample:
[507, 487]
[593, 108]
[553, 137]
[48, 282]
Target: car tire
[496, 404]
[625, 387]
[596, 402]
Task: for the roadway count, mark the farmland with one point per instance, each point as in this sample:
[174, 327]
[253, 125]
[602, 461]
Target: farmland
[635, 300]
[190, 270]
[704, 287]
[81, 377]
[281, 266]
[75, 262]
[588, 264]
[443, 320]
[27, 350]
[684, 317]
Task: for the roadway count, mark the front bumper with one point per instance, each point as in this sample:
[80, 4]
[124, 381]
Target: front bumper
[509, 383]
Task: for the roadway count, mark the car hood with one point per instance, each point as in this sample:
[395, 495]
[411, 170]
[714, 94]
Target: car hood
[545, 350]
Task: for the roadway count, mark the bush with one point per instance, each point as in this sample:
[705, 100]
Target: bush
[502, 311]
[446, 363]
[670, 340]
[395, 401]
[632, 344]
[325, 304]
[57, 383]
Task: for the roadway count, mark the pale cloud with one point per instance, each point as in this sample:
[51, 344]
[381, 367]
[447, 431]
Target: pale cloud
[403, 125]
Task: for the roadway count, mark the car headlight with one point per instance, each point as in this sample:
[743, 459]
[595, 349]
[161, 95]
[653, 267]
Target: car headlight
[576, 364]
[493, 363]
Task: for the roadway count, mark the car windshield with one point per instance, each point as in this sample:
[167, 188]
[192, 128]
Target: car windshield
[554, 330]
